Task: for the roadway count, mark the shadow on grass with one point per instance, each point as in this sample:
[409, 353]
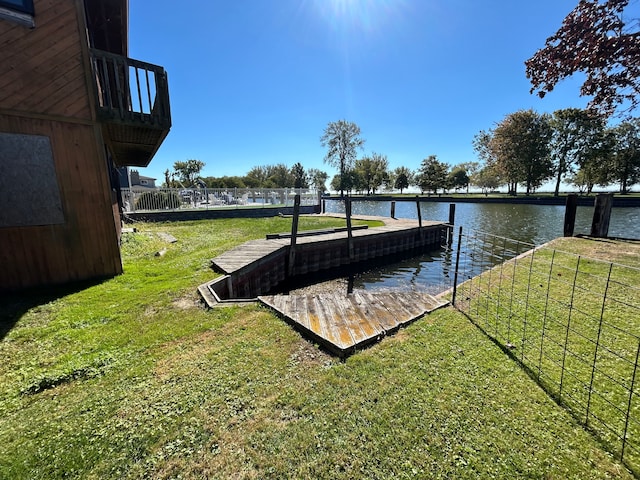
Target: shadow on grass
[13, 305]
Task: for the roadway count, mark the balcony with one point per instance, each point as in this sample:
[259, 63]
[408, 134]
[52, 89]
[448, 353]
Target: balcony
[132, 105]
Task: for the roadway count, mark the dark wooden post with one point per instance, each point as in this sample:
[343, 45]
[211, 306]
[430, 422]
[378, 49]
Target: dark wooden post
[601, 215]
[452, 221]
[419, 213]
[393, 209]
[294, 234]
[347, 209]
[324, 207]
[570, 214]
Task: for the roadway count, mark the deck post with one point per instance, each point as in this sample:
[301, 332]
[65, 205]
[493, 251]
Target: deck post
[452, 221]
[347, 209]
[294, 233]
[570, 214]
[393, 209]
[601, 215]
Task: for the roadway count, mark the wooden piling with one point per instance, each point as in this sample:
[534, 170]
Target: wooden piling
[570, 214]
[393, 209]
[419, 213]
[347, 210]
[294, 234]
[601, 215]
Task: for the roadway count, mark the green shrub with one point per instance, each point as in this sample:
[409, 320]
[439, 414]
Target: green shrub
[157, 201]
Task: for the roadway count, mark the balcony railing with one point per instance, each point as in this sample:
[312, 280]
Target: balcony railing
[132, 104]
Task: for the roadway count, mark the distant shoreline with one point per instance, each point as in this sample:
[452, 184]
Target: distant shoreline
[627, 201]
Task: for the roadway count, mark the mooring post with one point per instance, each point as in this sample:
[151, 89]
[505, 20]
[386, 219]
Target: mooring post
[452, 221]
[601, 215]
[347, 210]
[419, 212]
[294, 233]
[393, 209]
[570, 214]
[324, 206]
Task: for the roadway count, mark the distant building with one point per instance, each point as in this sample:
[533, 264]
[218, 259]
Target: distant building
[73, 109]
[127, 175]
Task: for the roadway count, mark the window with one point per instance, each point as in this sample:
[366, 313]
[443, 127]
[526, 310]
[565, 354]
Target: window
[20, 11]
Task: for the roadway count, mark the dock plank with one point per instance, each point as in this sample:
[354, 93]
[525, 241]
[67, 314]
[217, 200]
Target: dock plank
[252, 251]
[344, 323]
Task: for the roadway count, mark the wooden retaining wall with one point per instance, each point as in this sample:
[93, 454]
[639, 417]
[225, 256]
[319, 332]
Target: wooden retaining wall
[261, 274]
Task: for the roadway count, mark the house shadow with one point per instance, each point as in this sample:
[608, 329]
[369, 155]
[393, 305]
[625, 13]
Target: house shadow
[14, 305]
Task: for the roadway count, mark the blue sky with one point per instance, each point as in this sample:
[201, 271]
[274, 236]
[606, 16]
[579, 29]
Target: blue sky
[255, 82]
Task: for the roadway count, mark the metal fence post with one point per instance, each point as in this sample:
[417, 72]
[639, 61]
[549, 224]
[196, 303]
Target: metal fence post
[595, 353]
[626, 421]
[544, 316]
[455, 275]
[566, 338]
[526, 307]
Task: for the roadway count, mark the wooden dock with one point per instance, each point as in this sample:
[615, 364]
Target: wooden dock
[254, 251]
[343, 324]
[247, 254]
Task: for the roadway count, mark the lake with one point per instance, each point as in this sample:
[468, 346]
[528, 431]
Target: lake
[531, 224]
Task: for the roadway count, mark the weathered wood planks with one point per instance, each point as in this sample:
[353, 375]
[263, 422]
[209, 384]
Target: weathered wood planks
[343, 324]
[248, 253]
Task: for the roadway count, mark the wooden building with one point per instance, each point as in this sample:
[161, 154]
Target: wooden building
[73, 108]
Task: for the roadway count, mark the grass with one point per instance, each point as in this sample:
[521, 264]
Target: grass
[555, 312]
[132, 378]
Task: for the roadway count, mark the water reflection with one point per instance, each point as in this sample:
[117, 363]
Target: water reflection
[527, 223]
[433, 272]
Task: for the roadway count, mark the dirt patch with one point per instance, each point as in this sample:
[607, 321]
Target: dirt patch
[309, 354]
[186, 303]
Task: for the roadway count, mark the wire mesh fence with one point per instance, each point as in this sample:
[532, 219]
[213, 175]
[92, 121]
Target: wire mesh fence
[139, 199]
[572, 322]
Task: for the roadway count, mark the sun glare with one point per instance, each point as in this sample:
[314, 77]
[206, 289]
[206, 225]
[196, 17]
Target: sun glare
[364, 15]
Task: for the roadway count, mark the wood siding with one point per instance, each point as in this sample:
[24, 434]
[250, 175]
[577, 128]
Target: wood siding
[42, 69]
[86, 245]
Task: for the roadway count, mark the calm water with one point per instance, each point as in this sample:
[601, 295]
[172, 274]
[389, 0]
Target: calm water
[535, 224]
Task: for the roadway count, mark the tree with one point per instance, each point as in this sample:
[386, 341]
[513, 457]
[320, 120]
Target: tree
[576, 135]
[581, 180]
[487, 179]
[471, 168]
[519, 148]
[300, 177]
[224, 182]
[188, 171]
[258, 177]
[349, 181]
[318, 179]
[372, 171]
[342, 140]
[280, 176]
[403, 178]
[458, 178]
[625, 160]
[432, 174]
[596, 40]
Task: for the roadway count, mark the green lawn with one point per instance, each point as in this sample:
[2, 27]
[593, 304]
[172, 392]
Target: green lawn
[132, 378]
[555, 312]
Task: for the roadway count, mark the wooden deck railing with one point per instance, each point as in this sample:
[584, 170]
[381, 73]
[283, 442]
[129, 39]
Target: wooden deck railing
[130, 91]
